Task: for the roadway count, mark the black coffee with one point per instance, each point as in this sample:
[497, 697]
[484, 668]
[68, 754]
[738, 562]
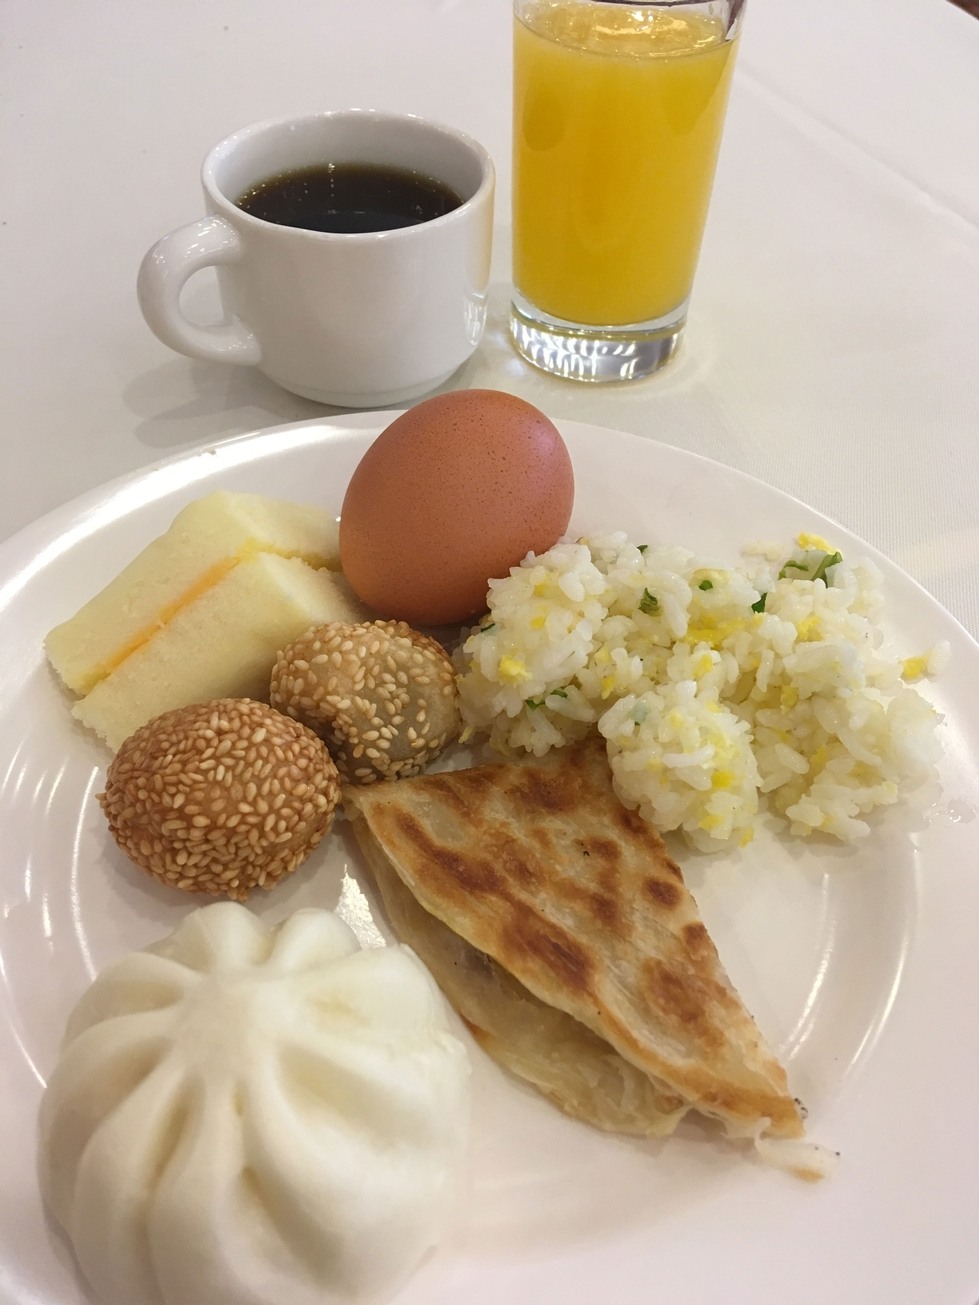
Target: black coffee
[349, 197]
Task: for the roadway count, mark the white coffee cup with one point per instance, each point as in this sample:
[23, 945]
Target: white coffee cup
[358, 319]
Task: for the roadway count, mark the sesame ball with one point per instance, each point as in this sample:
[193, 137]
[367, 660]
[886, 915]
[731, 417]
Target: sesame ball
[381, 695]
[221, 797]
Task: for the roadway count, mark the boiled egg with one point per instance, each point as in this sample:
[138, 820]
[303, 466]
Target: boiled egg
[452, 494]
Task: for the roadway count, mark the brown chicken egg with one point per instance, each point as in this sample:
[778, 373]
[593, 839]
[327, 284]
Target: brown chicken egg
[453, 493]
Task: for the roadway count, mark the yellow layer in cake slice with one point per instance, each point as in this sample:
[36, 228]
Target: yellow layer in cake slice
[223, 643]
[206, 540]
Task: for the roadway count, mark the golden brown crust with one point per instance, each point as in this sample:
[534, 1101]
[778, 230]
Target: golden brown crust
[567, 1062]
[220, 797]
[539, 865]
[380, 694]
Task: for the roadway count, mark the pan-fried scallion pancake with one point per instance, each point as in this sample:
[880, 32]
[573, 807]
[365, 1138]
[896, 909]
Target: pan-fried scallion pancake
[576, 1069]
[539, 866]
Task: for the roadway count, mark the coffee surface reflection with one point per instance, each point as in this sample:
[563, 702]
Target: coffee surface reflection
[349, 197]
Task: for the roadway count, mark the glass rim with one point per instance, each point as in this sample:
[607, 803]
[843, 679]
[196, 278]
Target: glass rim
[735, 6]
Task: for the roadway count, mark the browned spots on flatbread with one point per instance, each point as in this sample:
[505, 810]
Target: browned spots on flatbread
[665, 865]
[475, 874]
[681, 1001]
[604, 849]
[605, 910]
[632, 823]
[530, 935]
[670, 867]
[662, 892]
[504, 875]
[517, 867]
[594, 896]
[599, 891]
[462, 801]
[541, 792]
[697, 939]
[635, 830]
[610, 890]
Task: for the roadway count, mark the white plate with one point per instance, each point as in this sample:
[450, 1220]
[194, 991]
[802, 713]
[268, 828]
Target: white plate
[861, 965]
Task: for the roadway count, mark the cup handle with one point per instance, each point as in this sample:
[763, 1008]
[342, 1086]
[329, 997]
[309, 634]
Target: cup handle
[163, 273]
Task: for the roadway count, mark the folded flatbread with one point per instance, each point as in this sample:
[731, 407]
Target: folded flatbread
[563, 933]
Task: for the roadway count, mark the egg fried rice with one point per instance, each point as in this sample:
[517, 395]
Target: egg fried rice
[719, 691]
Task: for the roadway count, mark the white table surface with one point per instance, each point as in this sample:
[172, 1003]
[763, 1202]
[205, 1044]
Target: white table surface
[833, 343]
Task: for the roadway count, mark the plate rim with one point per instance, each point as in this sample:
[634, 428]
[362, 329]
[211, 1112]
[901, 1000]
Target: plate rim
[88, 512]
[101, 503]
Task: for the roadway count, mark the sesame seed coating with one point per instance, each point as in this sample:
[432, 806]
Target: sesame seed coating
[220, 797]
[381, 695]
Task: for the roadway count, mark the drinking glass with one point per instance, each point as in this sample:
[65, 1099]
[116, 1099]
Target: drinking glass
[617, 116]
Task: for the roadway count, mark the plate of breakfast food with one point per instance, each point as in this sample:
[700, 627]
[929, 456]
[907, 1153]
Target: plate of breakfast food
[453, 855]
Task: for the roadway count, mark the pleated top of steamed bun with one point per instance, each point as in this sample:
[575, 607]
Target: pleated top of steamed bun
[246, 1115]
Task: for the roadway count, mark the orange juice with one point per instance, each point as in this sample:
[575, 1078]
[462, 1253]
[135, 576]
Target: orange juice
[618, 112]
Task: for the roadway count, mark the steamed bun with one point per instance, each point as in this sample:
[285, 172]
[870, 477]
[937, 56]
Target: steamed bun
[245, 1115]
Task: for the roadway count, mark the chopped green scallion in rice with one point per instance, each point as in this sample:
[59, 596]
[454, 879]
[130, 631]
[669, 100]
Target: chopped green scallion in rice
[717, 690]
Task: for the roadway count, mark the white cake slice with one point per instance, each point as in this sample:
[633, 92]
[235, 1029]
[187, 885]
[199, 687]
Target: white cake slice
[205, 542]
[222, 643]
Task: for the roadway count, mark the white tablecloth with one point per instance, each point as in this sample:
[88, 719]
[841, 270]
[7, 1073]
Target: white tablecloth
[833, 345]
